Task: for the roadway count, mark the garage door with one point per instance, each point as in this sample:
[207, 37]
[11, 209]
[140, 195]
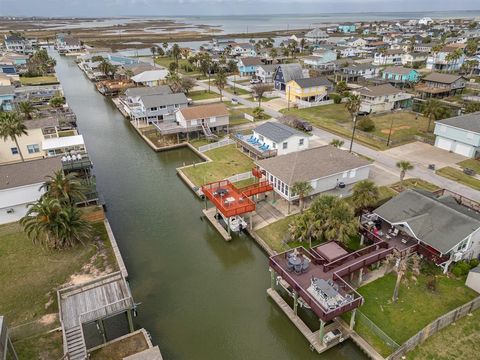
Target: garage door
[462, 149]
[444, 144]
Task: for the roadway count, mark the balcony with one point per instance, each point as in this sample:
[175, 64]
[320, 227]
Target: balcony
[253, 146]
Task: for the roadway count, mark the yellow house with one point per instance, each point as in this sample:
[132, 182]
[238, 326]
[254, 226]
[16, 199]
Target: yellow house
[308, 89]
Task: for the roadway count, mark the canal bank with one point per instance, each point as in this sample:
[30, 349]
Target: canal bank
[201, 298]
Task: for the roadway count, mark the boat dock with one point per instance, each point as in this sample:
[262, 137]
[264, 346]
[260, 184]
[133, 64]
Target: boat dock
[210, 215]
[312, 336]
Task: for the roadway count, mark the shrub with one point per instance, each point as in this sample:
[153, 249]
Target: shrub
[461, 268]
[366, 124]
[474, 263]
[432, 283]
[337, 99]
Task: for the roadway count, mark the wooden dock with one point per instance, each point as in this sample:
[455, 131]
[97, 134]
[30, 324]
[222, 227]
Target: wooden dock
[311, 336]
[116, 250]
[210, 215]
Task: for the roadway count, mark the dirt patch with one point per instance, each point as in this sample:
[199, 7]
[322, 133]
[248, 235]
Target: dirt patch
[387, 131]
[48, 319]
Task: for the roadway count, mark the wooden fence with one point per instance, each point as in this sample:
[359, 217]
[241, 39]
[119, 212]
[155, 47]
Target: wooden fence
[434, 327]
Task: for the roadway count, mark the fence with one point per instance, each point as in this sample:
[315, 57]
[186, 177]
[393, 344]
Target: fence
[238, 86]
[306, 104]
[215, 145]
[249, 117]
[435, 326]
[364, 320]
[240, 177]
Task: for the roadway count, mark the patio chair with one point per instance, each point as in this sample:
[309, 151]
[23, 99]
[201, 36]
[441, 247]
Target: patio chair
[395, 232]
[252, 140]
[298, 269]
[289, 266]
[305, 265]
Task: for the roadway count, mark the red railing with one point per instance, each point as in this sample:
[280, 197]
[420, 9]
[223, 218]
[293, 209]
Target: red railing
[254, 189]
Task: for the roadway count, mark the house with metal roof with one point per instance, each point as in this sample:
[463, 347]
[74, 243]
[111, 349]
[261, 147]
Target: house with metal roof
[150, 77]
[356, 71]
[459, 134]
[325, 168]
[285, 73]
[311, 90]
[316, 36]
[280, 137]
[444, 228]
[20, 185]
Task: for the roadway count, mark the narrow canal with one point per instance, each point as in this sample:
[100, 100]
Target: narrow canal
[201, 298]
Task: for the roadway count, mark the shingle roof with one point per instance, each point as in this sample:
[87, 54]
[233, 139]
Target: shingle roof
[435, 221]
[250, 61]
[442, 78]
[28, 172]
[153, 90]
[311, 82]
[277, 132]
[379, 90]
[291, 71]
[470, 122]
[41, 123]
[357, 67]
[150, 101]
[204, 111]
[311, 164]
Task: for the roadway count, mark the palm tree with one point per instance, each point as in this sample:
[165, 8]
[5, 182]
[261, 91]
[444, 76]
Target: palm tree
[153, 50]
[302, 228]
[353, 106]
[434, 110]
[302, 189]
[165, 45]
[26, 108]
[176, 53]
[273, 53]
[220, 82]
[65, 188]
[365, 194]
[454, 56]
[302, 44]
[258, 113]
[173, 80]
[404, 166]
[337, 143]
[11, 127]
[50, 223]
[402, 264]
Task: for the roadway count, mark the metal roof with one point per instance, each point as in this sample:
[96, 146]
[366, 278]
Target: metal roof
[469, 122]
[150, 101]
[277, 132]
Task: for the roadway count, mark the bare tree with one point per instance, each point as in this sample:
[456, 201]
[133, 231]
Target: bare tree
[401, 264]
[259, 90]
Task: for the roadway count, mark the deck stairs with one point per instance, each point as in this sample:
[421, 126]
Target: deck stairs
[76, 348]
[208, 132]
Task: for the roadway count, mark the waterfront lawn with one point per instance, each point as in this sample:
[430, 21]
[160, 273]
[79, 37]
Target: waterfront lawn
[45, 346]
[458, 176]
[30, 275]
[471, 164]
[202, 95]
[226, 161]
[196, 143]
[276, 234]
[416, 306]
[166, 60]
[243, 183]
[39, 80]
[121, 348]
[457, 341]
[335, 118]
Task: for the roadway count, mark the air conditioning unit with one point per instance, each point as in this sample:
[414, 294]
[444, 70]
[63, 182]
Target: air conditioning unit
[10, 211]
[457, 256]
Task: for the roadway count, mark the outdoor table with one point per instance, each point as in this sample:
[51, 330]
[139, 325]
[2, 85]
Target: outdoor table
[230, 199]
[222, 191]
[325, 288]
[295, 260]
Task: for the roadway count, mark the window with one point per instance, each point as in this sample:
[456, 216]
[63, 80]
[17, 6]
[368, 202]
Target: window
[353, 173]
[193, 122]
[274, 145]
[153, 109]
[163, 107]
[285, 145]
[33, 148]
[213, 119]
[14, 151]
[301, 141]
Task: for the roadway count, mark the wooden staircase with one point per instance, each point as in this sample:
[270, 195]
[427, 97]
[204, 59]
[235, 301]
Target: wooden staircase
[76, 348]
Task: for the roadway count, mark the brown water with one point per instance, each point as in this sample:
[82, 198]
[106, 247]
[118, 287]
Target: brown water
[201, 298]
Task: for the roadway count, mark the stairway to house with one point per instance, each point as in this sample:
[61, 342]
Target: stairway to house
[76, 348]
[208, 132]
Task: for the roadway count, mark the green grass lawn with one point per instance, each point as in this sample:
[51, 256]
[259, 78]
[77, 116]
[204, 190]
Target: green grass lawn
[227, 161]
[166, 60]
[246, 182]
[416, 307]
[199, 142]
[415, 183]
[238, 91]
[30, 275]
[471, 164]
[264, 99]
[335, 118]
[458, 176]
[460, 340]
[39, 80]
[45, 346]
[202, 95]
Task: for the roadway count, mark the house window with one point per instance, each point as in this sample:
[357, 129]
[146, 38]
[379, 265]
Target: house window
[14, 150]
[153, 109]
[163, 107]
[285, 145]
[193, 122]
[300, 142]
[274, 145]
[353, 173]
[33, 148]
[213, 119]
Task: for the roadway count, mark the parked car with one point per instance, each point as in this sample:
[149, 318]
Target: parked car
[255, 81]
[234, 101]
[333, 335]
[303, 125]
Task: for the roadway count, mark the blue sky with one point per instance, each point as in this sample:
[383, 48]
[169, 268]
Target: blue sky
[98, 8]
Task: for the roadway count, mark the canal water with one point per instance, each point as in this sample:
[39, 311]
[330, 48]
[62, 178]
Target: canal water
[201, 298]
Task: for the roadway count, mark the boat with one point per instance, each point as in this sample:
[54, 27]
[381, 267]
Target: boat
[237, 223]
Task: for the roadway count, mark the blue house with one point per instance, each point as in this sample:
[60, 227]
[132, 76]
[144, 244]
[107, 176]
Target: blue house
[346, 29]
[459, 134]
[400, 75]
[8, 69]
[7, 94]
[286, 73]
[247, 66]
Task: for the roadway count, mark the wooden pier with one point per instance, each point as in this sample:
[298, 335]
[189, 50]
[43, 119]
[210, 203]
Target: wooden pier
[312, 336]
[210, 215]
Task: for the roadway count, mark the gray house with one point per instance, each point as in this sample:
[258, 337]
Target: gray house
[285, 73]
[157, 108]
[459, 134]
[325, 168]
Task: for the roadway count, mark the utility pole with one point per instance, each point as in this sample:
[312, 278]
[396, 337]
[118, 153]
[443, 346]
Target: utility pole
[390, 132]
[353, 132]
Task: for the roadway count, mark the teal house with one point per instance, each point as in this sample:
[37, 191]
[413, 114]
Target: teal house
[400, 75]
[346, 28]
[7, 95]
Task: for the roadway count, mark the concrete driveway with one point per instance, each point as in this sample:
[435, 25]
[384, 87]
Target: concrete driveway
[275, 104]
[424, 154]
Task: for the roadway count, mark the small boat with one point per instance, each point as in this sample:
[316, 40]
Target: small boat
[237, 223]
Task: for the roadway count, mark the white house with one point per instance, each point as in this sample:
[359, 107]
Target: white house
[324, 168]
[425, 21]
[281, 137]
[150, 77]
[389, 57]
[265, 73]
[382, 98]
[459, 134]
[20, 185]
